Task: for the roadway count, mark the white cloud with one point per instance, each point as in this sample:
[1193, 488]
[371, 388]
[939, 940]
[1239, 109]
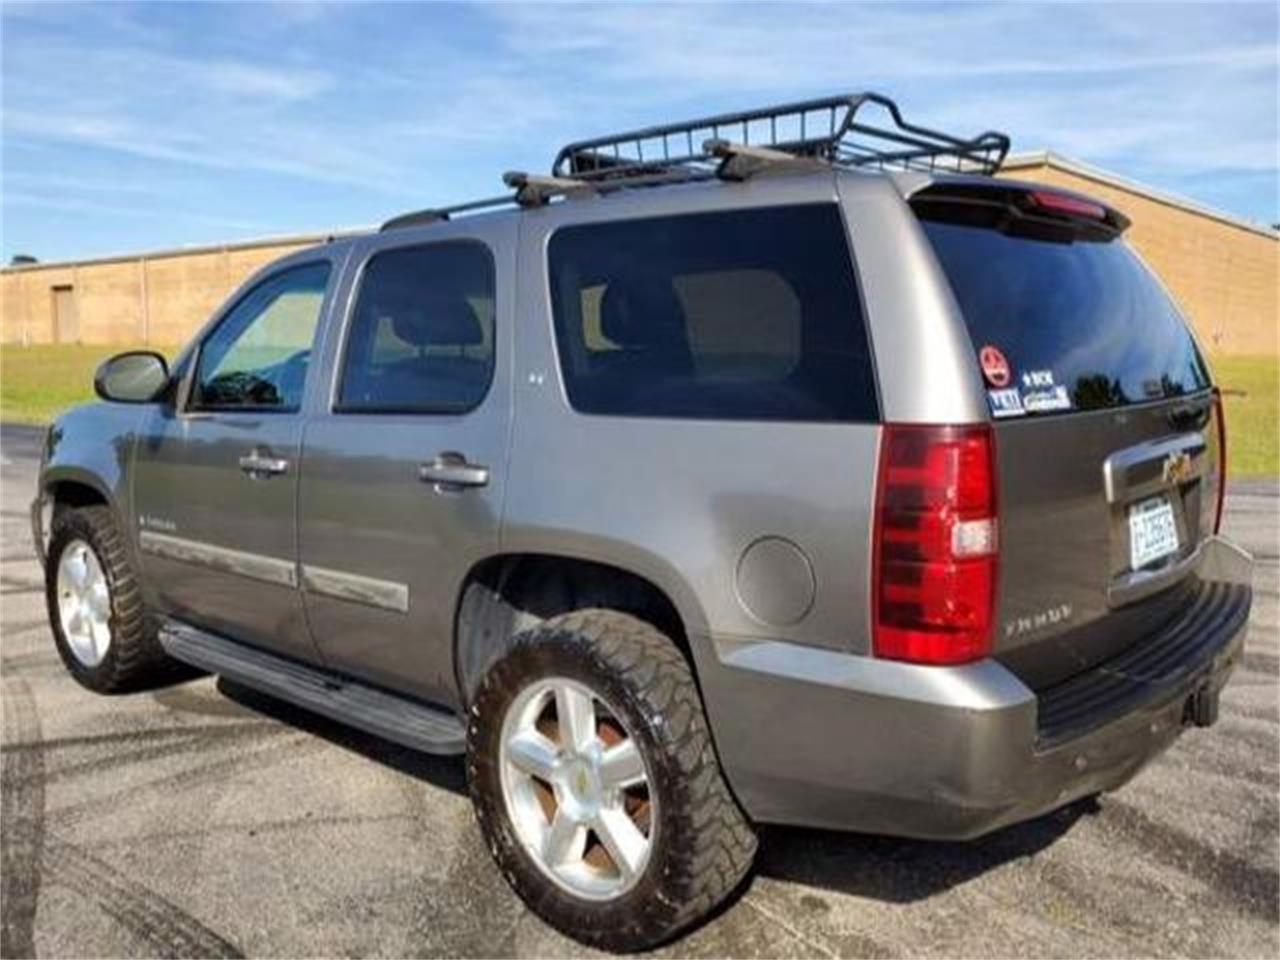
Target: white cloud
[256, 80]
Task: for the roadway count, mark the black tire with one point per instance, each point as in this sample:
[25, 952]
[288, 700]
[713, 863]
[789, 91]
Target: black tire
[703, 844]
[134, 659]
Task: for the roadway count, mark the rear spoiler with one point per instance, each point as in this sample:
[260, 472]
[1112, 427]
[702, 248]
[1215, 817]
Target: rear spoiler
[1014, 204]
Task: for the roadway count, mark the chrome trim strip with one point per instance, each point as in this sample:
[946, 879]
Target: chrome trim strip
[255, 566]
[387, 594]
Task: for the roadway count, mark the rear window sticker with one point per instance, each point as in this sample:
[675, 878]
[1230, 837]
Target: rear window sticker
[1036, 379]
[1045, 401]
[994, 366]
[1005, 403]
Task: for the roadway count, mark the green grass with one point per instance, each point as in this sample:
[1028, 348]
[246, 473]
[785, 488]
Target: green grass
[38, 382]
[1251, 391]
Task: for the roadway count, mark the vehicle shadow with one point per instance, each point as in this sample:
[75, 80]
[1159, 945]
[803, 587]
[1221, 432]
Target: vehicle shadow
[444, 772]
[882, 868]
[898, 870]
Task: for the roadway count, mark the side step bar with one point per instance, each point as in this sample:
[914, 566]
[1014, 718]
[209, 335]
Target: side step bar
[404, 721]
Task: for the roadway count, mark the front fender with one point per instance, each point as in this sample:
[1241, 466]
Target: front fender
[90, 448]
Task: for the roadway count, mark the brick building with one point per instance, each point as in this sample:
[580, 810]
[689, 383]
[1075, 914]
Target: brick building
[1224, 271]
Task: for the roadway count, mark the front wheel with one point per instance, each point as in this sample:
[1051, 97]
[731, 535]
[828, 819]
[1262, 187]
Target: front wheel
[100, 625]
[596, 784]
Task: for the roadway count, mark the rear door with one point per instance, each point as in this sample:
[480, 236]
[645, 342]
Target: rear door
[1105, 433]
[404, 459]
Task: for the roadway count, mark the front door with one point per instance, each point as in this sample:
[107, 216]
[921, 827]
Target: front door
[403, 465]
[215, 479]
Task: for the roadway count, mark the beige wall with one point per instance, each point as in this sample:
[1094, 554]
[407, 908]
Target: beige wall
[158, 299]
[1224, 276]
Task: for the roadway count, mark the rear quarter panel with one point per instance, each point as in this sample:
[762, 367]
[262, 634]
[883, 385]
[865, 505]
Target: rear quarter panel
[678, 501]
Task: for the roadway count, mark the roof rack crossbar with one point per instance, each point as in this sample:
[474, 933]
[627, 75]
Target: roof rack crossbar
[534, 190]
[740, 160]
[833, 129]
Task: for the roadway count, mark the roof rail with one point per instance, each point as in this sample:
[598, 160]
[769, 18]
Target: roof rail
[418, 218]
[831, 129]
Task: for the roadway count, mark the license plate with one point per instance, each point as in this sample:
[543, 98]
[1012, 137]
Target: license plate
[1152, 532]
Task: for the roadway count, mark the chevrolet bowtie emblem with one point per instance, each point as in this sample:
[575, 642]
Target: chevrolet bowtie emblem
[1177, 468]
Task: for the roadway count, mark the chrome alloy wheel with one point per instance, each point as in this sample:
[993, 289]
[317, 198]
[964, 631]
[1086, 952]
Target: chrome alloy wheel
[577, 789]
[84, 603]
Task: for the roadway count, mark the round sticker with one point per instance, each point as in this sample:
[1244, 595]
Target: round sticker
[994, 366]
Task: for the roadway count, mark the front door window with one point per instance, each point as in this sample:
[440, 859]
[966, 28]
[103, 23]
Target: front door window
[257, 357]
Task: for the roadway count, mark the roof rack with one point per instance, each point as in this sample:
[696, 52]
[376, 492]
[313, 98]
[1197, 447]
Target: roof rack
[831, 129]
[734, 146]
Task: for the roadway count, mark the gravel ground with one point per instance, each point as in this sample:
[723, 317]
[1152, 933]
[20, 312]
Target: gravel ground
[207, 820]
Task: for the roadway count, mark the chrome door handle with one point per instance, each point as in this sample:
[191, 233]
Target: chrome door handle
[258, 464]
[452, 470]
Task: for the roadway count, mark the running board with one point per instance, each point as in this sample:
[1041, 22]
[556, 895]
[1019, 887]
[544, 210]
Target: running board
[404, 721]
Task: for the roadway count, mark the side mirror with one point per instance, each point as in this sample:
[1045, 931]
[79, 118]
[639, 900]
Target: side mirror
[138, 376]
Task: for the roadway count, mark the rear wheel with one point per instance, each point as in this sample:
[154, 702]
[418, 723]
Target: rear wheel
[596, 785]
[100, 626]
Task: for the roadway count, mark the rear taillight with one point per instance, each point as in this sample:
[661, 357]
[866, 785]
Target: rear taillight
[1220, 421]
[936, 544]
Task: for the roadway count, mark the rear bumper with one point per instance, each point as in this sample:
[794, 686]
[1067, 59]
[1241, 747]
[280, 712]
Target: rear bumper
[821, 738]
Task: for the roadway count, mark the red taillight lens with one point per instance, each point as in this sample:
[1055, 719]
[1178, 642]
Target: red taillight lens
[1220, 421]
[1065, 203]
[936, 546]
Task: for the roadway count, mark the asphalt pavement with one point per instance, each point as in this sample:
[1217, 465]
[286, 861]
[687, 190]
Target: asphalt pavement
[207, 820]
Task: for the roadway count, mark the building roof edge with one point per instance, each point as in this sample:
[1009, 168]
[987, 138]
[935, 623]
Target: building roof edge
[271, 240]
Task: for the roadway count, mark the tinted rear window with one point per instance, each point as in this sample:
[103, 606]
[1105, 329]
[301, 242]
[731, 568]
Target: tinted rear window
[1082, 323]
[743, 315]
[421, 337]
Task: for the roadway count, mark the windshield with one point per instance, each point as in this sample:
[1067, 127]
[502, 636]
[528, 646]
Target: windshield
[1064, 323]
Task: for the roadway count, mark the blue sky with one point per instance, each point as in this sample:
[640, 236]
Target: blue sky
[141, 126]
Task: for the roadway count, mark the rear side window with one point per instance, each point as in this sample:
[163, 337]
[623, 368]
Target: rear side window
[742, 315]
[1081, 322]
[421, 336]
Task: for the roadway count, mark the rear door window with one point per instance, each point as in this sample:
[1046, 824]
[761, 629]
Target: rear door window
[738, 315]
[421, 335]
[1081, 322]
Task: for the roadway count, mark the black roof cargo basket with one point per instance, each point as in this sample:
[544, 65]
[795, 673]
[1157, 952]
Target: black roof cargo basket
[807, 134]
[836, 130]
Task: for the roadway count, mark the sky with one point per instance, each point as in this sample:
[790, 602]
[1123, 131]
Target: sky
[142, 126]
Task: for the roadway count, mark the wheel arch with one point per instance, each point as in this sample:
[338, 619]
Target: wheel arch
[76, 488]
[72, 485]
[507, 593]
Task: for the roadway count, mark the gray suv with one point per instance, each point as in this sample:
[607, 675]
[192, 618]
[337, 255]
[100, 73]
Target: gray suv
[783, 467]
